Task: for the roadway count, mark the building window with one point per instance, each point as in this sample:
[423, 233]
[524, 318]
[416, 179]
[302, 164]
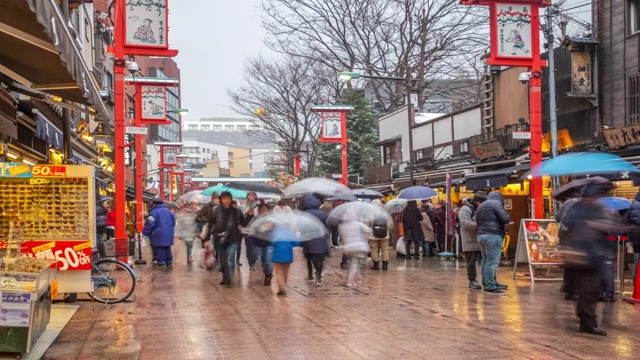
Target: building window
[204, 127]
[242, 127]
[250, 166]
[229, 128]
[192, 127]
[634, 99]
[214, 154]
[208, 151]
[217, 127]
[633, 17]
[230, 164]
[464, 147]
[389, 154]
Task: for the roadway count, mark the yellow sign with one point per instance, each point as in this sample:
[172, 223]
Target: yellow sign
[564, 141]
[54, 289]
[82, 246]
[47, 246]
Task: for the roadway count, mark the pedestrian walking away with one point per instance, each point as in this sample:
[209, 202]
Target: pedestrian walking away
[469, 234]
[159, 227]
[567, 276]
[379, 240]
[428, 245]
[225, 223]
[491, 219]
[314, 250]
[412, 222]
[443, 236]
[284, 240]
[101, 225]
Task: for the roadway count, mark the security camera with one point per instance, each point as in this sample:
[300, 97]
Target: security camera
[132, 66]
[524, 77]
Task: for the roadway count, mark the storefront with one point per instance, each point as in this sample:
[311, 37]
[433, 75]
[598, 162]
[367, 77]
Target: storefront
[47, 231]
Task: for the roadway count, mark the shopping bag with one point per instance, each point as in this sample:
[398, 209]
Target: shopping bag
[401, 247]
[208, 260]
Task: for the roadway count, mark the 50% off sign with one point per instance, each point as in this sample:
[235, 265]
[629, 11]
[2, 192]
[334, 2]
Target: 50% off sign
[71, 255]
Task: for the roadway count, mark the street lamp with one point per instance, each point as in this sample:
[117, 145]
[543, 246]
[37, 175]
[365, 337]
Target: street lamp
[180, 111]
[350, 75]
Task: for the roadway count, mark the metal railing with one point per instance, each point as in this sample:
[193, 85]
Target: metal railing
[503, 135]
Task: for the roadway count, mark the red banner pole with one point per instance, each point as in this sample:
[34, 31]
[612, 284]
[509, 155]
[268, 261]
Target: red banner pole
[138, 218]
[161, 172]
[296, 165]
[121, 238]
[171, 183]
[345, 143]
[535, 112]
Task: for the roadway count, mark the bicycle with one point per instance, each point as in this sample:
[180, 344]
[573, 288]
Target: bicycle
[113, 280]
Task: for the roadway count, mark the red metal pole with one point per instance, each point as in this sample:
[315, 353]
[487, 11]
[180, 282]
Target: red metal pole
[171, 183]
[161, 169]
[296, 165]
[535, 114]
[139, 219]
[345, 143]
[121, 238]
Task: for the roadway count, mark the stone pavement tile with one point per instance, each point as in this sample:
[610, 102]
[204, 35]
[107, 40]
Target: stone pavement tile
[64, 350]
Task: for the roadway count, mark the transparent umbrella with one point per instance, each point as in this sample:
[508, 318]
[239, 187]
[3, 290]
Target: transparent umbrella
[321, 186]
[195, 197]
[395, 206]
[358, 211]
[273, 226]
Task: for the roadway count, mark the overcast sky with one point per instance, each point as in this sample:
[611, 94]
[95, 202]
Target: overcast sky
[214, 38]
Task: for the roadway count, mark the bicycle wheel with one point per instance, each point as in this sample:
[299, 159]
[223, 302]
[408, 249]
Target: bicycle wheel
[113, 281]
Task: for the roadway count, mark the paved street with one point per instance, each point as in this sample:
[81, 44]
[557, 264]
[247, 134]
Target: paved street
[416, 310]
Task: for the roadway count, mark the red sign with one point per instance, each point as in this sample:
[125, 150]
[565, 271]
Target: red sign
[71, 255]
[48, 170]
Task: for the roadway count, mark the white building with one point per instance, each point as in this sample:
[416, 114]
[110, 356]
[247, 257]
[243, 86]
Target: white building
[437, 138]
[221, 124]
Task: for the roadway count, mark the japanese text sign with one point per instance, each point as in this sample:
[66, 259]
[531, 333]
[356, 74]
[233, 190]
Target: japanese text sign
[146, 23]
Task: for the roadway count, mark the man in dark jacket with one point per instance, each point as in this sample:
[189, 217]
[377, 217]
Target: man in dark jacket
[491, 218]
[224, 225]
[314, 250]
[633, 218]
[159, 227]
[585, 227]
[567, 276]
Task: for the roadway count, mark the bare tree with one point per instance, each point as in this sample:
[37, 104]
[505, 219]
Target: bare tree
[286, 89]
[426, 41]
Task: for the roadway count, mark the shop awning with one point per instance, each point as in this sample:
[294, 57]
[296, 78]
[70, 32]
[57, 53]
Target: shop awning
[40, 52]
[494, 179]
[389, 141]
[131, 194]
[443, 184]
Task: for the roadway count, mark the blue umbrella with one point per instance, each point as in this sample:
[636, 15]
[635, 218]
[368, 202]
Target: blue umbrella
[417, 193]
[586, 163]
[615, 203]
[219, 189]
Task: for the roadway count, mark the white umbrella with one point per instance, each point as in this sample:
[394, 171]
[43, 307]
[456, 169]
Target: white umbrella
[358, 211]
[303, 225]
[195, 197]
[321, 186]
[395, 206]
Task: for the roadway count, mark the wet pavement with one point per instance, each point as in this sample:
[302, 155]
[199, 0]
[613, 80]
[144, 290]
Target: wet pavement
[419, 309]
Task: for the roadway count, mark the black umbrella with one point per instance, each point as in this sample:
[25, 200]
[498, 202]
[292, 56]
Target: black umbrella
[255, 187]
[572, 188]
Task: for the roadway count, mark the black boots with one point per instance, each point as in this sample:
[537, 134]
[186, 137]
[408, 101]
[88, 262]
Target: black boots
[376, 265]
[385, 265]
[267, 280]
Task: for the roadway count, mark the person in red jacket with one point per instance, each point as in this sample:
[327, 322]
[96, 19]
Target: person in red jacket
[111, 222]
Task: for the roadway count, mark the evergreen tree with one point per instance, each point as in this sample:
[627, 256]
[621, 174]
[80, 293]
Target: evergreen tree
[363, 134]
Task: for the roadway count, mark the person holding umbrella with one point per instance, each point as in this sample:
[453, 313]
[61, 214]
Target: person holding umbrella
[314, 250]
[412, 223]
[224, 225]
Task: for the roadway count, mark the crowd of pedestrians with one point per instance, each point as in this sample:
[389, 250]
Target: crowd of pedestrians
[424, 229]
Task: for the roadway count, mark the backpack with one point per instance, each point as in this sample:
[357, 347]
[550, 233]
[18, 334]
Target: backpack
[380, 228]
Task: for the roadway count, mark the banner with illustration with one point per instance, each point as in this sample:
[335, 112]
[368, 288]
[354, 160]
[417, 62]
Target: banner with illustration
[146, 24]
[154, 102]
[538, 246]
[514, 26]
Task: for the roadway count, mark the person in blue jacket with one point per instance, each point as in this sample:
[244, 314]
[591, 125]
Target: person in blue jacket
[284, 239]
[159, 227]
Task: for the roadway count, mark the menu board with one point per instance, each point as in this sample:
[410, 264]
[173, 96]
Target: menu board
[542, 241]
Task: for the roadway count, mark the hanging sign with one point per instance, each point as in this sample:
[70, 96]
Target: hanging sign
[332, 125]
[154, 102]
[581, 73]
[514, 30]
[169, 155]
[146, 23]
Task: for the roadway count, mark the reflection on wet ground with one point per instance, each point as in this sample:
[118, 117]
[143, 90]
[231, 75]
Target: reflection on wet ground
[419, 309]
